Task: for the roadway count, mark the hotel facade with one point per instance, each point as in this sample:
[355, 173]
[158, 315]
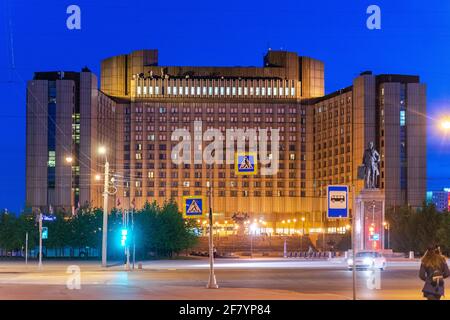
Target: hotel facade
[140, 104]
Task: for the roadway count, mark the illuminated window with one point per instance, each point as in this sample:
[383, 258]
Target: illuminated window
[51, 159]
[402, 118]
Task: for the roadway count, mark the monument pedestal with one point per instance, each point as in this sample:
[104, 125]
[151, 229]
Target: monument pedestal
[369, 220]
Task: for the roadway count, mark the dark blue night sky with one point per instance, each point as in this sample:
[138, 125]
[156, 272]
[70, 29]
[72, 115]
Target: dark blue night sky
[414, 39]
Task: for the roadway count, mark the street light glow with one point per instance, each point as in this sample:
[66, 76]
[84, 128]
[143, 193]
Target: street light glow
[445, 124]
[97, 177]
[69, 159]
[102, 150]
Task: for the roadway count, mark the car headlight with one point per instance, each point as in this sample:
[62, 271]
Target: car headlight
[350, 261]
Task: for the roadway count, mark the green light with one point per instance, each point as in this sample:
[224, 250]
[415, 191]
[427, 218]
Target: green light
[123, 240]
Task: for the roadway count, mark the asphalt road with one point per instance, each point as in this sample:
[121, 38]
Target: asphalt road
[237, 278]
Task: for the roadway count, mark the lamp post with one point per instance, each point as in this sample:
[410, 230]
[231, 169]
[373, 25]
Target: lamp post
[102, 151]
[387, 226]
[69, 161]
[303, 233]
[40, 239]
[212, 283]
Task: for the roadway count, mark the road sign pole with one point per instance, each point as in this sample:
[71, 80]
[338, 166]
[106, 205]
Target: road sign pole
[212, 284]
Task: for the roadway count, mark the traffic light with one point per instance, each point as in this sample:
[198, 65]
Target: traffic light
[44, 232]
[123, 239]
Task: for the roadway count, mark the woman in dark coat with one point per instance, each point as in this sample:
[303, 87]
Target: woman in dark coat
[433, 271]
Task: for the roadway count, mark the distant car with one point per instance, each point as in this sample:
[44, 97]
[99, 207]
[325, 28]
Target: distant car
[367, 260]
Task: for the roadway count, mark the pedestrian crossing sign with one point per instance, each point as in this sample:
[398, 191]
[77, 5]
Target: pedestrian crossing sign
[193, 207]
[246, 163]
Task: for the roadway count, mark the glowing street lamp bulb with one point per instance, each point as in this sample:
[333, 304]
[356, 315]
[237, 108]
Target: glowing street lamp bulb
[303, 219]
[295, 220]
[102, 150]
[69, 159]
[97, 177]
[283, 221]
[445, 124]
[289, 220]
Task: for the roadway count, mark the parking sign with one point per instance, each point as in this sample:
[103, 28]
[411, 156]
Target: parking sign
[337, 201]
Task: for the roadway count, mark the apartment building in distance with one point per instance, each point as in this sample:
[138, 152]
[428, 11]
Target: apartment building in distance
[67, 117]
[322, 137]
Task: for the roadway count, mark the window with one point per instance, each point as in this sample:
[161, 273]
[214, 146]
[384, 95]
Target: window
[402, 118]
[51, 159]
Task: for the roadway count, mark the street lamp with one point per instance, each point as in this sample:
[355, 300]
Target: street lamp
[102, 151]
[387, 226]
[69, 159]
[445, 124]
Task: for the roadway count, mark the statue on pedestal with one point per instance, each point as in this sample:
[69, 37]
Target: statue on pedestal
[371, 159]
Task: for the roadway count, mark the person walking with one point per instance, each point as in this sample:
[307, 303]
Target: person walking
[433, 271]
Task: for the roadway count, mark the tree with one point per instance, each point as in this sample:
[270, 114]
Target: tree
[417, 229]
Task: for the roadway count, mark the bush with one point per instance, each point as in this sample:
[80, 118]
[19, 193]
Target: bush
[415, 230]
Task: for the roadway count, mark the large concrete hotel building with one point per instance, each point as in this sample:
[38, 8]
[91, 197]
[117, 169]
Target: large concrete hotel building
[140, 103]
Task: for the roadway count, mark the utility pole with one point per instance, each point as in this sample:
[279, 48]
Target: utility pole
[212, 284]
[251, 245]
[354, 241]
[127, 247]
[26, 248]
[105, 214]
[132, 233]
[40, 240]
